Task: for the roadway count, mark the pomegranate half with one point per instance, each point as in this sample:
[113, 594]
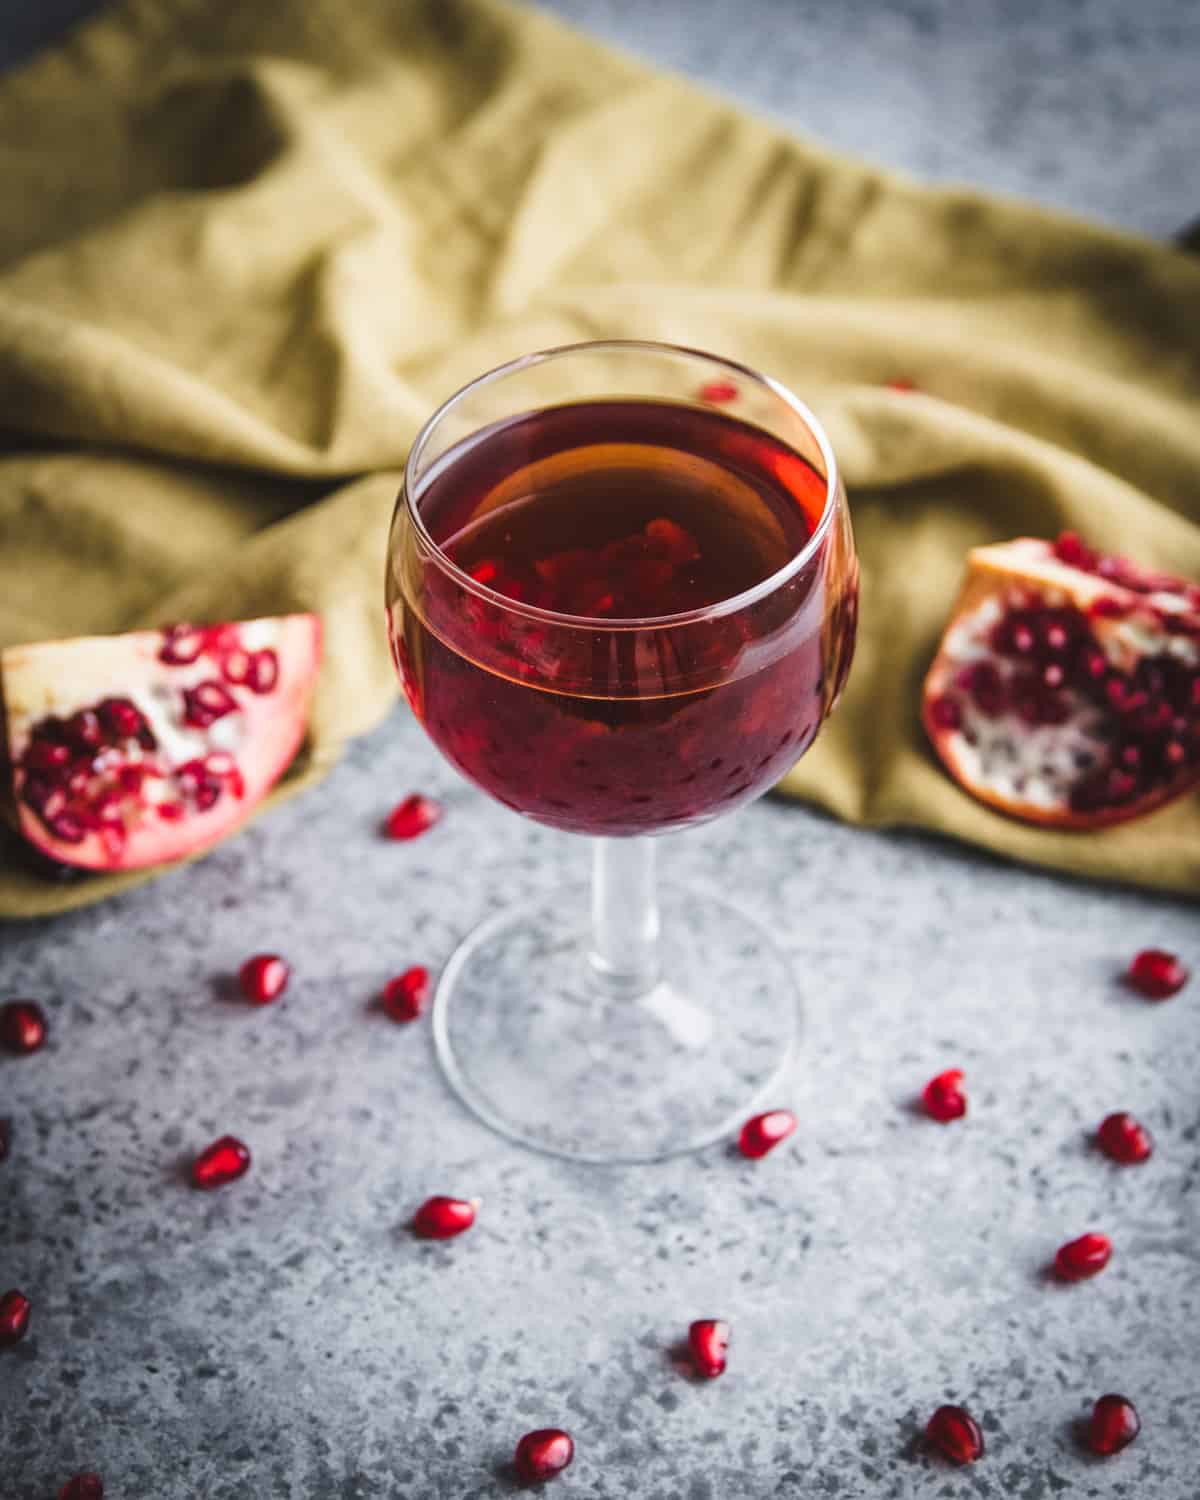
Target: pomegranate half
[1066, 690]
[132, 750]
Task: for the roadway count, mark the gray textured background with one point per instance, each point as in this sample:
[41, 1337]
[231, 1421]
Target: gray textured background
[286, 1338]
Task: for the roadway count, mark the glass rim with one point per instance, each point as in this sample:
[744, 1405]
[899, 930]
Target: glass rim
[735, 602]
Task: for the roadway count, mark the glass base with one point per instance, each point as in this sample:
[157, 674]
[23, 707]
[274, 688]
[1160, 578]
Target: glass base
[532, 1042]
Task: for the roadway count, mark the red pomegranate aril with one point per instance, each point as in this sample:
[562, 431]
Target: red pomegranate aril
[235, 666]
[719, 392]
[1114, 1425]
[5, 1138]
[943, 1097]
[264, 672]
[84, 730]
[542, 1454]
[945, 713]
[207, 702]
[1084, 1257]
[412, 817]
[1124, 1139]
[87, 1486]
[762, 1133]
[1156, 974]
[46, 756]
[441, 1218]
[182, 645]
[954, 1432]
[708, 1340]
[264, 978]
[404, 997]
[22, 1027]
[223, 1162]
[14, 1317]
[121, 718]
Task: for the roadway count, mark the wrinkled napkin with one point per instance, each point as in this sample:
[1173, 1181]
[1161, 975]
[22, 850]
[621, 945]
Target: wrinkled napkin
[246, 248]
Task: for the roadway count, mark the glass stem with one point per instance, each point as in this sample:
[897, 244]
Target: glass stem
[624, 952]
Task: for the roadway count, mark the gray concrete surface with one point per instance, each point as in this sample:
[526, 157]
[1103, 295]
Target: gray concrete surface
[287, 1338]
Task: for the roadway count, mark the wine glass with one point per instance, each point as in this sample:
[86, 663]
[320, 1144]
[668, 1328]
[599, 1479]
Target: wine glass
[622, 594]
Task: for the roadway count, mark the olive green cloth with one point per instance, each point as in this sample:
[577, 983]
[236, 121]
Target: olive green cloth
[246, 247]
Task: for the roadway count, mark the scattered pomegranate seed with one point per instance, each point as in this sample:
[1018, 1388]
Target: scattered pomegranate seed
[22, 1027]
[1156, 974]
[5, 1138]
[1114, 1425]
[708, 1339]
[14, 1317]
[943, 1097]
[440, 1218]
[87, 1486]
[1124, 1139]
[1084, 1257]
[543, 1454]
[762, 1133]
[954, 1432]
[719, 392]
[223, 1162]
[264, 978]
[412, 817]
[404, 997]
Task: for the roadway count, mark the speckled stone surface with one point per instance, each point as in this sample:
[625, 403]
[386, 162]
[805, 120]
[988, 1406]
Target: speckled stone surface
[287, 1337]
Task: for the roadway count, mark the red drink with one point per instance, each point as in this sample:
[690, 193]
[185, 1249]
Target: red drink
[615, 659]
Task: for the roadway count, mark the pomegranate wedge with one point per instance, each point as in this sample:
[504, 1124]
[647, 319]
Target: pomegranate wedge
[1066, 690]
[133, 750]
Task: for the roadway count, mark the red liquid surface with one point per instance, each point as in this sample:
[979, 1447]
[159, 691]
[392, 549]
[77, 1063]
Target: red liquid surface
[610, 512]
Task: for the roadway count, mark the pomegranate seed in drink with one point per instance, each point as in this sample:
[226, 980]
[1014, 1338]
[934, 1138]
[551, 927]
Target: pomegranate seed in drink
[1124, 1139]
[14, 1317]
[954, 1432]
[87, 1486]
[441, 1218]
[22, 1026]
[1156, 974]
[223, 1162]
[708, 1339]
[413, 817]
[264, 978]
[762, 1133]
[543, 1454]
[404, 997]
[943, 1097]
[1113, 1426]
[1084, 1257]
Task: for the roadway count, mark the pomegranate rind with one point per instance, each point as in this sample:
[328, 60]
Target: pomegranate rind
[1029, 565]
[56, 678]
